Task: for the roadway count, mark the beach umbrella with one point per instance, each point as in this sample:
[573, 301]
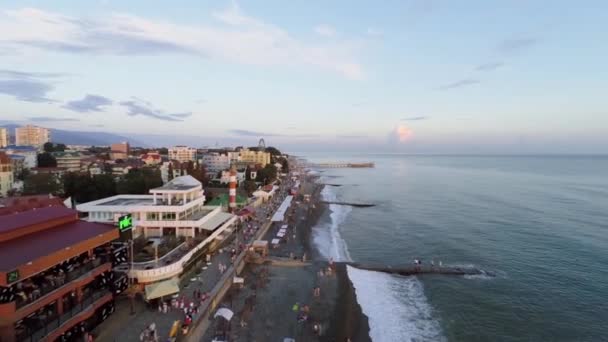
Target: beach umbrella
[224, 312]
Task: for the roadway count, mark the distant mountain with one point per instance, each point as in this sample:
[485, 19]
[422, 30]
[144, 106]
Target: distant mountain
[84, 138]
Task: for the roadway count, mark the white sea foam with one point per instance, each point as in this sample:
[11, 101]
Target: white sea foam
[396, 307]
[327, 236]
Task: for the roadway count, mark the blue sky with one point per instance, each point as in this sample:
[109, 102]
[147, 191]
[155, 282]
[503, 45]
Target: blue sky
[405, 76]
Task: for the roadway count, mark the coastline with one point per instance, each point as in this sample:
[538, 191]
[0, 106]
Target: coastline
[263, 308]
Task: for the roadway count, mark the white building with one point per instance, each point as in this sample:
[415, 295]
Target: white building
[6, 174]
[71, 161]
[30, 153]
[215, 162]
[32, 136]
[3, 137]
[182, 153]
[175, 209]
[234, 157]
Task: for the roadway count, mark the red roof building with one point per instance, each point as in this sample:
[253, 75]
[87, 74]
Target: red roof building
[55, 274]
[13, 205]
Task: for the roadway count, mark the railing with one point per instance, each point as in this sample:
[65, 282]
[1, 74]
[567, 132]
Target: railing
[69, 276]
[56, 321]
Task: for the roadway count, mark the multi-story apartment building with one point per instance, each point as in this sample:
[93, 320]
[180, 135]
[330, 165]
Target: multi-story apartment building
[6, 174]
[71, 161]
[56, 279]
[3, 137]
[119, 151]
[255, 157]
[176, 209]
[30, 153]
[182, 153]
[30, 135]
[215, 162]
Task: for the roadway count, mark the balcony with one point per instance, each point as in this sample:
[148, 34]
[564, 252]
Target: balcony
[36, 326]
[33, 289]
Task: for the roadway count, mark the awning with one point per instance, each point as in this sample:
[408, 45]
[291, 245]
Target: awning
[163, 288]
[224, 312]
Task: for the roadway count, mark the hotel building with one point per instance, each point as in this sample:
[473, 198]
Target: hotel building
[56, 278]
[32, 136]
[174, 210]
[30, 153]
[255, 157]
[215, 162]
[182, 153]
[119, 151]
[3, 137]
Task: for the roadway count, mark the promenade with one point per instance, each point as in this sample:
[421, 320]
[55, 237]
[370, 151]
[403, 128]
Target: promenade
[124, 326]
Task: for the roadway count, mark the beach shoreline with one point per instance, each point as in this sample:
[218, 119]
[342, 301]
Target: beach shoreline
[265, 308]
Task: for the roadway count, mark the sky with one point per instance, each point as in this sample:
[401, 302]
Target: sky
[412, 76]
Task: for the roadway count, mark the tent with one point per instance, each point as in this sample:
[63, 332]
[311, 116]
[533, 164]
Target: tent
[224, 312]
[163, 288]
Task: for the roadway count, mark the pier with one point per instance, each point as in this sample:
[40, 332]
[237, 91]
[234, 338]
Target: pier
[422, 269]
[358, 205]
[337, 165]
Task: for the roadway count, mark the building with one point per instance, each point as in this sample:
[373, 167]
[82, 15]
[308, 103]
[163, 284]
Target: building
[18, 162]
[30, 153]
[216, 162]
[13, 205]
[3, 137]
[32, 136]
[6, 174]
[119, 151]
[182, 153]
[176, 210]
[56, 278]
[151, 158]
[255, 157]
[234, 156]
[71, 161]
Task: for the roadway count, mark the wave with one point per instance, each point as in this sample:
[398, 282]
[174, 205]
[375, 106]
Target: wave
[326, 235]
[396, 307]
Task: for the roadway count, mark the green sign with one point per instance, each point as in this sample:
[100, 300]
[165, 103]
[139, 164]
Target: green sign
[125, 223]
[12, 276]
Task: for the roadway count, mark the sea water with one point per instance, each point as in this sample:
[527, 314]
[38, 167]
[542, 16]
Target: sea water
[539, 223]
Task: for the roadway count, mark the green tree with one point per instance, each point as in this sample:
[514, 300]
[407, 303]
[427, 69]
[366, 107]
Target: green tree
[60, 148]
[267, 174]
[163, 151]
[84, 188]
[200, 173]
[23, 174]
[139, 181]
[170, 175]
[48, 147]
[46, 160]
[273, 151]
[42, 183]
[249, 186]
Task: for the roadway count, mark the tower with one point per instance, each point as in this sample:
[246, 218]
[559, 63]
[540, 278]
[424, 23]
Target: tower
[232, 190]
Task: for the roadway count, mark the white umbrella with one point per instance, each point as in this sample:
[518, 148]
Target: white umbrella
[224, 312]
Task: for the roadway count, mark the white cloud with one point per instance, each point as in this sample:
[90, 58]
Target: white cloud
[325, 30]
[235, 37]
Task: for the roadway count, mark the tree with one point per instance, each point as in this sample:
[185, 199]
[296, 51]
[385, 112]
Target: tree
[200, 173]
[267, 174]
[23, 174]
[42, 183]
[139, 181]
[84, 188]
[48, 147]
[170, 175]
[163, 151]
[249, 186]
[273, 151]
[60, 148]
[46, 160]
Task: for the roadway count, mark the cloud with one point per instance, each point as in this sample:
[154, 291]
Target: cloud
[489, 66]
[374, 32]
[50, 119]
[137, 106]
[353, 136]
[248, 133]
[97, 125]
[234, 37]
[517, 45]
[26, 90]
[29, 75]
[325, 30]
[459, 84]
[90, 103]
[415, 118]
[400, 134]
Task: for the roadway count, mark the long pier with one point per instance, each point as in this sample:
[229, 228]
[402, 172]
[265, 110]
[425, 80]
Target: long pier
[414, 269]
[358, 205]
[336, 165]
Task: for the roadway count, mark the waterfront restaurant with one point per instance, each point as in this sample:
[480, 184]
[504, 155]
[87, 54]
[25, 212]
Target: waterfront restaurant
[56, 278]
[172, 216]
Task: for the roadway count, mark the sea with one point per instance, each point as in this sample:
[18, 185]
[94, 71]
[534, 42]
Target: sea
[538, 223]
